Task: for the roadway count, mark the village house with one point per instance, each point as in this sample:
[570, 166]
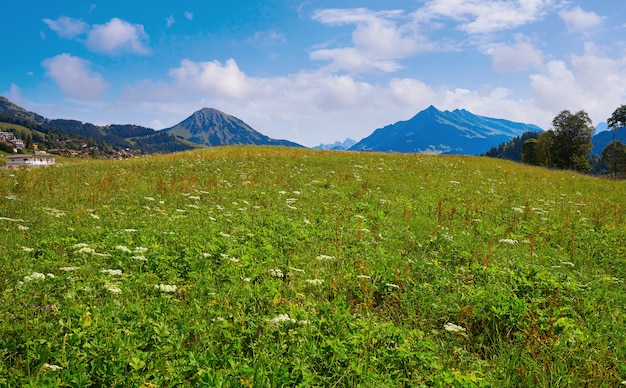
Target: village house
[9, 138]
[38, 159]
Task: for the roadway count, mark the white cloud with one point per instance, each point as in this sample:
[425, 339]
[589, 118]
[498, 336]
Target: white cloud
[188, 15]
[213, 78]
[378, 40]
[591, 82]
[67, 27]
[169, 21]
[519, 56]
[269, 38]
[117, 36]
[484, 16]
[75, 78]
[411, 93]
[577, 19]
[341, 92]
[353, 60]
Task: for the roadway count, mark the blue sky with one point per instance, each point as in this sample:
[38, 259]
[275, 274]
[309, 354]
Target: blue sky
[314, 71]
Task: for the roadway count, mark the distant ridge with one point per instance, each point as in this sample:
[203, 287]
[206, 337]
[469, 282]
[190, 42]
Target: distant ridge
[211, 127]
[338, 145]
[434, 131]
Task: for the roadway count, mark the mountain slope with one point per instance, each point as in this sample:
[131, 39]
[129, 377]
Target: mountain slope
[212, 127]
[602, 139]
[434, 131]
[58, 133]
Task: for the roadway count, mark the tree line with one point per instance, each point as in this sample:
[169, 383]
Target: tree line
[567, 145]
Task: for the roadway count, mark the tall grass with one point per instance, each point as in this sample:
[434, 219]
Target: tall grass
[252, 266]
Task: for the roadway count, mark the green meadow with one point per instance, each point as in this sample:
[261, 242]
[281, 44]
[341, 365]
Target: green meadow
[264, 267]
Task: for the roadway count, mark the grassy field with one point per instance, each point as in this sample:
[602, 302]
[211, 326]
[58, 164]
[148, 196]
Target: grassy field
[250, 266]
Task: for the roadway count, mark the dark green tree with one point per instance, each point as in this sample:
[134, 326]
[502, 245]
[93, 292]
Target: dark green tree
[618, 118]
[529, 152]
[544, 149]
[572, 140]
[614, 155]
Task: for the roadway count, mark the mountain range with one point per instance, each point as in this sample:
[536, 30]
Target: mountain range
[429, 131]
[206, 127]
[337, 146]
[434, 131]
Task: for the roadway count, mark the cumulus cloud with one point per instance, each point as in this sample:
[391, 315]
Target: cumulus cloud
[577, 19]
[519, 56]
[67, 27]
[592, 82]
[213, 78]
[75, 78]
[484, 16]
[378, 41]
[118, 36]
[188, 15]
[169, 21]
[411, 93]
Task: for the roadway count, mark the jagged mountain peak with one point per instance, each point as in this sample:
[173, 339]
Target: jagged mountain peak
[434, 131]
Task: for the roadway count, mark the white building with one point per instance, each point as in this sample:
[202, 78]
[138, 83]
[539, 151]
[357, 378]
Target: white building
[38, 159]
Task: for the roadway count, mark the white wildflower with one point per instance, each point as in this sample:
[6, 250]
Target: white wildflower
[140, 250]
[391, 285]
[508, 241]
[304, 322]
[277, 273]
[27, 249]
[194, 197]
[50, 276]
[281, 318]
[451, 327]
[112, 288]
[454, 182]
[112, 272]
[292, 207]
[86, 250]
[247, 280]
[22, 227]
[518, 209]
[123, 248]
[166, 287]
[222, 234]
[54, 212]
[293, 269]
[296, 192]
[130, 230]
[568, 263]
[363, 277]
[68, 269]
[148, 198]
[51, 367]
[283, 192]
[35, 276]
[79, 245]
[291, 200]
[95, 216]
[325, 257]
[10, 197]
[315, 282]
[139, 258]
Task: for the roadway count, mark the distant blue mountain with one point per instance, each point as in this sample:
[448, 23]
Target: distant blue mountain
[338, 145]
[434, 131]
[602, 139]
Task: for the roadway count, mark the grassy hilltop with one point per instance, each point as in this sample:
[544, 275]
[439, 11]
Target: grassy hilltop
[251, 266]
